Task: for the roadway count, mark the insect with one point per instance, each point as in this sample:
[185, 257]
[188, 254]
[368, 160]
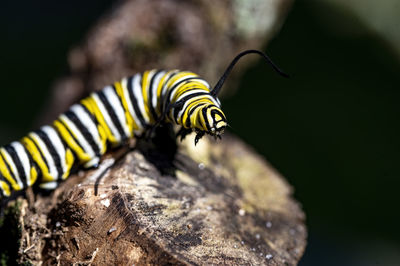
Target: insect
[132, 107]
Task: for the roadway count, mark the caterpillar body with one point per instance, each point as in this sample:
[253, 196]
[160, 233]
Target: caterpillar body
[108, 118]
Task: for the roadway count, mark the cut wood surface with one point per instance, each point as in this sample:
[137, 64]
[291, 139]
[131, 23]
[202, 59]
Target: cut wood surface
[218, 203]
[164, 202]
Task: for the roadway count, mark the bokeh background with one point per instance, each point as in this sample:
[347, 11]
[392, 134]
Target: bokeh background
[332, 129]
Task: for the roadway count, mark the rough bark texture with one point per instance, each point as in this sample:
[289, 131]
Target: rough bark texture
[216, 203]
[164, 202]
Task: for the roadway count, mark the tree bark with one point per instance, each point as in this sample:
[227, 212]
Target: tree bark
[162, 201]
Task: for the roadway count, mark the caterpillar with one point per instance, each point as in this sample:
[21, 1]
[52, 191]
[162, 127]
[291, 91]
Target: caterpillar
[107, 118]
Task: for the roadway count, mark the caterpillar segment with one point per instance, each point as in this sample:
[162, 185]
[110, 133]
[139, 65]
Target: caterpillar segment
[107, 118]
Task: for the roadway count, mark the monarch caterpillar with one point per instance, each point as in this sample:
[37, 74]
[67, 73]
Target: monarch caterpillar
[129, 108]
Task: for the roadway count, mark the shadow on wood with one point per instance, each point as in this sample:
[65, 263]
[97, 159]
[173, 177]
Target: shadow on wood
[223, 205]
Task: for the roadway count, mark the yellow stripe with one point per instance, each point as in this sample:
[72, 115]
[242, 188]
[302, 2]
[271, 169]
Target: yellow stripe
[194, 119]
[202, 125]
[33, 176]
[180, 75]
[145, 89]
[129, 119]
[33, 150]
[182, 89]
[65, 134]
[7, 175]
[103, 139]
[94, 109]
[160, 86]
[186, 113]
[185, 87]
[69, 160]
[101, 130]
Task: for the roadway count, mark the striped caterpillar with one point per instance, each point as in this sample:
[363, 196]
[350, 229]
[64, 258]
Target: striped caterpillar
[130, 108]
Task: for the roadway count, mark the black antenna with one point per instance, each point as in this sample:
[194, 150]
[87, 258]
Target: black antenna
[217, 87]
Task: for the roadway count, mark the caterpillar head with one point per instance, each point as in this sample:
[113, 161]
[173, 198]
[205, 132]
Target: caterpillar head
[215, 120]
[204, 118]
[210, 120]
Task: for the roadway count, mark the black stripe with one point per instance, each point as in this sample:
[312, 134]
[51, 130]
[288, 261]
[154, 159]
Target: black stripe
[216, 111]
[32, 161]
[188, 120]
[111, 112]
[166, 101]
[184, 99]
[122, 105]
[3, 178]
[84, 131]
[8, 168]
[52, 150]
[40, 152]
[18, 163]
[162, 100]
[71, 135]
[135, 102]
[204, 111]
[92, 116]
[150, 100]
[64, 143]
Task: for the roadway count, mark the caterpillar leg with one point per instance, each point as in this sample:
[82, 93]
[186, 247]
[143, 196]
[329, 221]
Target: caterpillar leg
[199, 135]
[183, 132]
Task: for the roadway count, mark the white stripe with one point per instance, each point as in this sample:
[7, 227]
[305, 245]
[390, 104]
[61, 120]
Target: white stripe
[147, 89]
[88, 123]
[205, 83]
[208, 96]
[154, 88]
[49, 159]
[149, 77]
[49, 185]
[209, 118]
[137, 92]
[13, 168]
[115, 103]
[107, 118]
[124, 84]
[191, 100]
[23, 157]
[165, 89]
[176, 82]
[57, 144]
[81, 139]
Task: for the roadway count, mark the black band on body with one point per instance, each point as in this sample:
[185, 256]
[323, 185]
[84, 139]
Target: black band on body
[17, 162]
[151, 96]
[84, 131]
[52, 150]
[9, 170]
[112, 114]
[134, 102]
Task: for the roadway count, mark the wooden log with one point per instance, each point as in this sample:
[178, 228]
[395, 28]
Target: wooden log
[216, 203]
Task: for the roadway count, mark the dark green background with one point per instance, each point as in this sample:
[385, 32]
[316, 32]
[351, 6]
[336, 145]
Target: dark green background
[332, 129]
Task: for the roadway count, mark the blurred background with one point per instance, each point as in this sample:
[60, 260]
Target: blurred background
[331, 129]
